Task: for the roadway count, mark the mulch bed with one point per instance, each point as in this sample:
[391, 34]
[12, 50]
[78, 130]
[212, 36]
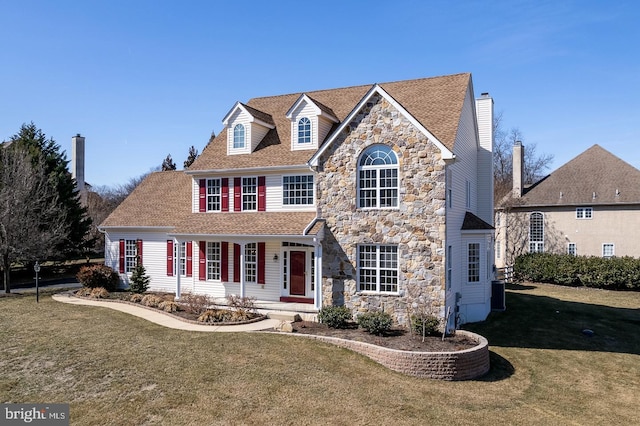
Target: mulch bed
[396, 338]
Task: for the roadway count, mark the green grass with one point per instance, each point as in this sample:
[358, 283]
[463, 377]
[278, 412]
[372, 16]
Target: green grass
[115, 369]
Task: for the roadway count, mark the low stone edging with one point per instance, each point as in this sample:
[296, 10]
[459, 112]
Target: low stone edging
[459, 365]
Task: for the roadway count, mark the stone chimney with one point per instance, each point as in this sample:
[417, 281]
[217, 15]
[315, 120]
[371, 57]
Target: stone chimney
[77, 162]
[518, 169]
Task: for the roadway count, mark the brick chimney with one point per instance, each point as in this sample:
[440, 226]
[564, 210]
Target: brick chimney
[77, 163]
[518, 169]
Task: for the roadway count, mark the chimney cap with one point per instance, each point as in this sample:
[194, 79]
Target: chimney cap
[78, 135]
[484, 94]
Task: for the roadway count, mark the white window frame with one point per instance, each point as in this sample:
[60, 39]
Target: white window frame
[130, 255]
[214, 195]
[249, 199]
[536, 239]
[214, 260]
[374, 164]
[181, 258]
[608, 249]
[572, 249]
[376, 268]
[584, 212]
[294, 190]
[251, 262]
[474, 256]
[305, 134]
[239, 136]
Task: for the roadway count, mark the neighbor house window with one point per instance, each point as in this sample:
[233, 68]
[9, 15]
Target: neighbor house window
[304, 130]
[213, 194]
[297, 190]
[238, 136]
[213, 260]
[584, 212]
[378, 178]
[378, 268]
[250, 262]
[608, 250]
[130, 255]
[249, 193]
[572, 249]
[536, 232]
[473, 262]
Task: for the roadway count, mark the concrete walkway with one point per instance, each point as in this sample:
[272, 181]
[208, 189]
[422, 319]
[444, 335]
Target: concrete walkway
[166, 320]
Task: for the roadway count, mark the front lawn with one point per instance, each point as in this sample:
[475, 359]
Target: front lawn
[115, 369]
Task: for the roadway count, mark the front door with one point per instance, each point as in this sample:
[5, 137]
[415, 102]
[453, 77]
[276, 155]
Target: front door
[297, 276]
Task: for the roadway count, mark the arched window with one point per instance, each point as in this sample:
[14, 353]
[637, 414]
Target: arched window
[378, 178]
[536, 232]
[238, 136]
[304, 130]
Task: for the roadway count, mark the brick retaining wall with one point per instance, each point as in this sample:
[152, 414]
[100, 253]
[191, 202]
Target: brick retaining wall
[460, 365]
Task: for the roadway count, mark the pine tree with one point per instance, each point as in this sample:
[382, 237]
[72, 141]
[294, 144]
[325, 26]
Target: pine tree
[139, 279]
[168, 164]
[193, 154]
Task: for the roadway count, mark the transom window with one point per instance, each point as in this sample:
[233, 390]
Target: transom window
[130, 255]
[213, 194]
[473, 262]
[238, 136]
[297, 190]
[378, 178]
[536, 232]
[584, 212]
[378, 268]
[608, 250]
[213, 260]
[250, 262]
[304, 130]
[249, 193]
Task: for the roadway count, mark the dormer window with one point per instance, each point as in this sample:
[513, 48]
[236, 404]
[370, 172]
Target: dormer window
[238, 136]
[304, 130]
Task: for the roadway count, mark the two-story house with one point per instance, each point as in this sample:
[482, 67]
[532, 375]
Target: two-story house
[589, 206]
[376, 197]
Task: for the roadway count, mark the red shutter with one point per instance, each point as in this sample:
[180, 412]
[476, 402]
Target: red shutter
[224, 260]
[202, 245]
[237, 194]
[203, 194]
[262, 194]
[236, 263]
[169, 258]
[139, 247]
[189, 258]
[261, 263]
[225, 194]
[121, 260]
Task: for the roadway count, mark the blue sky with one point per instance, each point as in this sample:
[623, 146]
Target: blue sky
[142, 79]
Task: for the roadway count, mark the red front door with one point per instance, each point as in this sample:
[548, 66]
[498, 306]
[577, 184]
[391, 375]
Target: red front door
[298, 273]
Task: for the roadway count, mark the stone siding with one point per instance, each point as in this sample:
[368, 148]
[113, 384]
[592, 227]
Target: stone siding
[417, 226]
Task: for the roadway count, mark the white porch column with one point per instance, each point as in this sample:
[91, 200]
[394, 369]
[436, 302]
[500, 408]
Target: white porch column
[242, 277]
[317, 299]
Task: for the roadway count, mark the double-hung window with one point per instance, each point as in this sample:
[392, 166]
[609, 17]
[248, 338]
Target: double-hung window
[130, 255]
[213, 260]
[213, 195]
[378, 178]
[250, 262]
[249, 193]
[182, 258]
[304, 130]
[608, 250]
[378, 268]
[473, 262]
[238, 136]
[297, 190]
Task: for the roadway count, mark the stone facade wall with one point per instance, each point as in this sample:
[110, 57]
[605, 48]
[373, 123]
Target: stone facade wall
[417, 226]
[462, 365]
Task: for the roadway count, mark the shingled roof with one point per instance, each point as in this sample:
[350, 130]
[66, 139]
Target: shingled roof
[436, 103]
[161, 200]
[248, 223]
[595, 171]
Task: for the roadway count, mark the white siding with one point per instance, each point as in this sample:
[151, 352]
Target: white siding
[258, 132]
[311, 112]
[324, 127]
[195, 198]
[244, 119]
[484, 110]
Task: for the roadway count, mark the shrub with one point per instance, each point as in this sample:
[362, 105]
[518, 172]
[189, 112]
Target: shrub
[425, 326]
[99, 293]
[242, 307]
[84, 292]
[375, 322]
[93, 276]
[136, 298]
[195, 303]
[214, 315]
[335, 316]
[139, 280]
[151, 300]
[168, 306]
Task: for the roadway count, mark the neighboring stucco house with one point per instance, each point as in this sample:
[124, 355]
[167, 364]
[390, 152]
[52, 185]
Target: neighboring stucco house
[590, 206]
[376, 197]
